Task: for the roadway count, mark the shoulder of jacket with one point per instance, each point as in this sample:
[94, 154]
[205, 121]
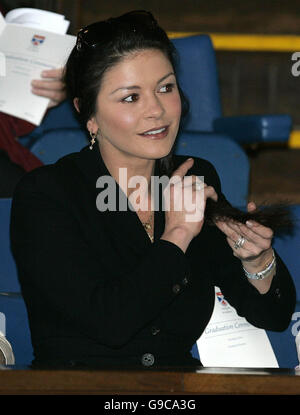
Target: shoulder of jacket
[201, 167]
[50, 176]
[199, 163]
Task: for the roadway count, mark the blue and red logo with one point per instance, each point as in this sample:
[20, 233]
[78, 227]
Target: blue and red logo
[37, 40]
[221, 299]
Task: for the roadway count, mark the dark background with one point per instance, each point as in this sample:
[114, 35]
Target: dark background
[235, 16]
[250, 83]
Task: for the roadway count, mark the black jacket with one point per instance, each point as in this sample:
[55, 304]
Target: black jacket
[99, 293]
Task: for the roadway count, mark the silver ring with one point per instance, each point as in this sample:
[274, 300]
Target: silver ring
[239, 243]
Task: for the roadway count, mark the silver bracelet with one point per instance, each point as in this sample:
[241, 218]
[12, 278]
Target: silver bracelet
[264, 273]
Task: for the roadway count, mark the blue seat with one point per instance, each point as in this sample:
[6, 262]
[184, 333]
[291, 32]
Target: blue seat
[59, 134]
[58, 143]
[198, 76]
[288, 247]
[229, 159]
[11, 302]
[60, 117]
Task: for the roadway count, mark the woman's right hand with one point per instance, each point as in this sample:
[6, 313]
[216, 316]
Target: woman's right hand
[188, 196]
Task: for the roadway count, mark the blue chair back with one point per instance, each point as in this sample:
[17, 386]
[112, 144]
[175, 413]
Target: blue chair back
[58, 143]
[228, 158]
[288, 247]
[8, 271]
[60, 117]
[58, 135]
[11, 302]
[198, 78]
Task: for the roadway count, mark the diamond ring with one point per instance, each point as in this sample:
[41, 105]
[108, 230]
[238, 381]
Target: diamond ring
[239, 243]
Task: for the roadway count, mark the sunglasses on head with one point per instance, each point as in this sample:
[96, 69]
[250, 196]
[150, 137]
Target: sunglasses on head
[137, 20]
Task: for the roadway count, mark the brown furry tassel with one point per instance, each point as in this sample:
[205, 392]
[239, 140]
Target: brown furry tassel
[278, 217]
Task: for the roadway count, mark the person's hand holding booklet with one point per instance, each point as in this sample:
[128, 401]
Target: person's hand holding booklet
[32, 42]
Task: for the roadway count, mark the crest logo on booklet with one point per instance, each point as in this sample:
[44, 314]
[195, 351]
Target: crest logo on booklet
[221, 299]
[37, 40]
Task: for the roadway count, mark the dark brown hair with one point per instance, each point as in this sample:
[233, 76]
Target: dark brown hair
[277, 217]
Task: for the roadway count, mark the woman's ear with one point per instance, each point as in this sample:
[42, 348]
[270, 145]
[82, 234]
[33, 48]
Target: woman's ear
[75, 103]
[92, 126]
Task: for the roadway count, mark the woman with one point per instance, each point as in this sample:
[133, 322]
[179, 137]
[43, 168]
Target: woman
[129, 287]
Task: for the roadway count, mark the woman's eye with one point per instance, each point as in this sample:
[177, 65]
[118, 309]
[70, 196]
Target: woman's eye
[131, 98]
[167, 88]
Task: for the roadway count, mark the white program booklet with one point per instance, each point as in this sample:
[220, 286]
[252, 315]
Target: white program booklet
[5, 346]
[230, 341]
[2, 324]
[24, 53]
[39, 19]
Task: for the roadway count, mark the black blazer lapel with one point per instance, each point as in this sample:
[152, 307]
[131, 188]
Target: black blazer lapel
[123, 228]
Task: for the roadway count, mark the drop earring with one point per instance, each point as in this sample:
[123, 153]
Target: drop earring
[93, 139]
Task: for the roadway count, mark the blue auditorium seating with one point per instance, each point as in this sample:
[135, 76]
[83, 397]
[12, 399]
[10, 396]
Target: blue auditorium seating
[198, 77]
[11, 302]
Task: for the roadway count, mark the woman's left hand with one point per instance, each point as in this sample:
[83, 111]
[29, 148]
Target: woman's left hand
[256, 249]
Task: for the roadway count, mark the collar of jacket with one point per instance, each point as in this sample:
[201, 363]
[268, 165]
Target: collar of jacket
[124, 225]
